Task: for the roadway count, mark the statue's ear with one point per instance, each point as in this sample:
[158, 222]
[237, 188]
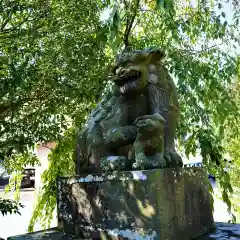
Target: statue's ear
[155, 55]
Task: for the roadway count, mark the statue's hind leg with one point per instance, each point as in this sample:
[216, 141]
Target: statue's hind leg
[116, 141]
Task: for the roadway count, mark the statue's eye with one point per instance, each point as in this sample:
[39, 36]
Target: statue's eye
[129, 64]
[113, 70]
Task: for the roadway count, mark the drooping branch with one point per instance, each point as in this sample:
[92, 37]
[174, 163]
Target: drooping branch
[130, 20]
[5, 22]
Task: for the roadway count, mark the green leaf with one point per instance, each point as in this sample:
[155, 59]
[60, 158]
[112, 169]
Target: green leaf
[223, 14]
[165, 4]
[159, 3]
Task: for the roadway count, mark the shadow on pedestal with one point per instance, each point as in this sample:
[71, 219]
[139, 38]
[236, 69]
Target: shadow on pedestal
[152, 204]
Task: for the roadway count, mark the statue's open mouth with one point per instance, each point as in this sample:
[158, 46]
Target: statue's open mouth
[128, 81]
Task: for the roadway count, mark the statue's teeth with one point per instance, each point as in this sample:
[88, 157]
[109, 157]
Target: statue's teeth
[133, 84]
[122, 89]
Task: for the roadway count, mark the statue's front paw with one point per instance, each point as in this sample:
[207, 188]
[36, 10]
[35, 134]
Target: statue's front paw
[176, 158]
[113, 163]
[158, 161]
[147, 125]
[141, 162]
[173, 159]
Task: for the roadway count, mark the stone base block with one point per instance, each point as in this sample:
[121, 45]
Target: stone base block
[152, 204]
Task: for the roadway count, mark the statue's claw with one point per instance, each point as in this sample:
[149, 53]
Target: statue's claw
[176, 158]
[173, 159]
[148, 125]
[113, 163]
[158, 161]
[141, 162]
[150, 162]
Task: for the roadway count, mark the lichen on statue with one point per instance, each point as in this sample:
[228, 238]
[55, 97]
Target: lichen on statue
[134, 126]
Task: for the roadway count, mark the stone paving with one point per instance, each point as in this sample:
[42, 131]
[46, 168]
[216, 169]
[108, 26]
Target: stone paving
[45, 235]
[224, 231]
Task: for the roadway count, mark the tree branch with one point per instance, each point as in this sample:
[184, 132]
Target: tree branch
[8, 107]
[14, 27]
[6, 22]
[130, 21]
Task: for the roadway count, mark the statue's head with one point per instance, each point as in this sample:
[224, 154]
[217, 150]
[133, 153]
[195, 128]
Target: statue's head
[132, 70]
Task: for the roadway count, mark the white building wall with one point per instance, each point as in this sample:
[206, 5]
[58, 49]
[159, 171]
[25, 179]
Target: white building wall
[42, 152]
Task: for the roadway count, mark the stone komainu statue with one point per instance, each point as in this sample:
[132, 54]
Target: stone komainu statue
[134, 126]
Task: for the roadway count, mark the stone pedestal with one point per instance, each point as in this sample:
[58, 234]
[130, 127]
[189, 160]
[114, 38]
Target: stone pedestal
[164, 204]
